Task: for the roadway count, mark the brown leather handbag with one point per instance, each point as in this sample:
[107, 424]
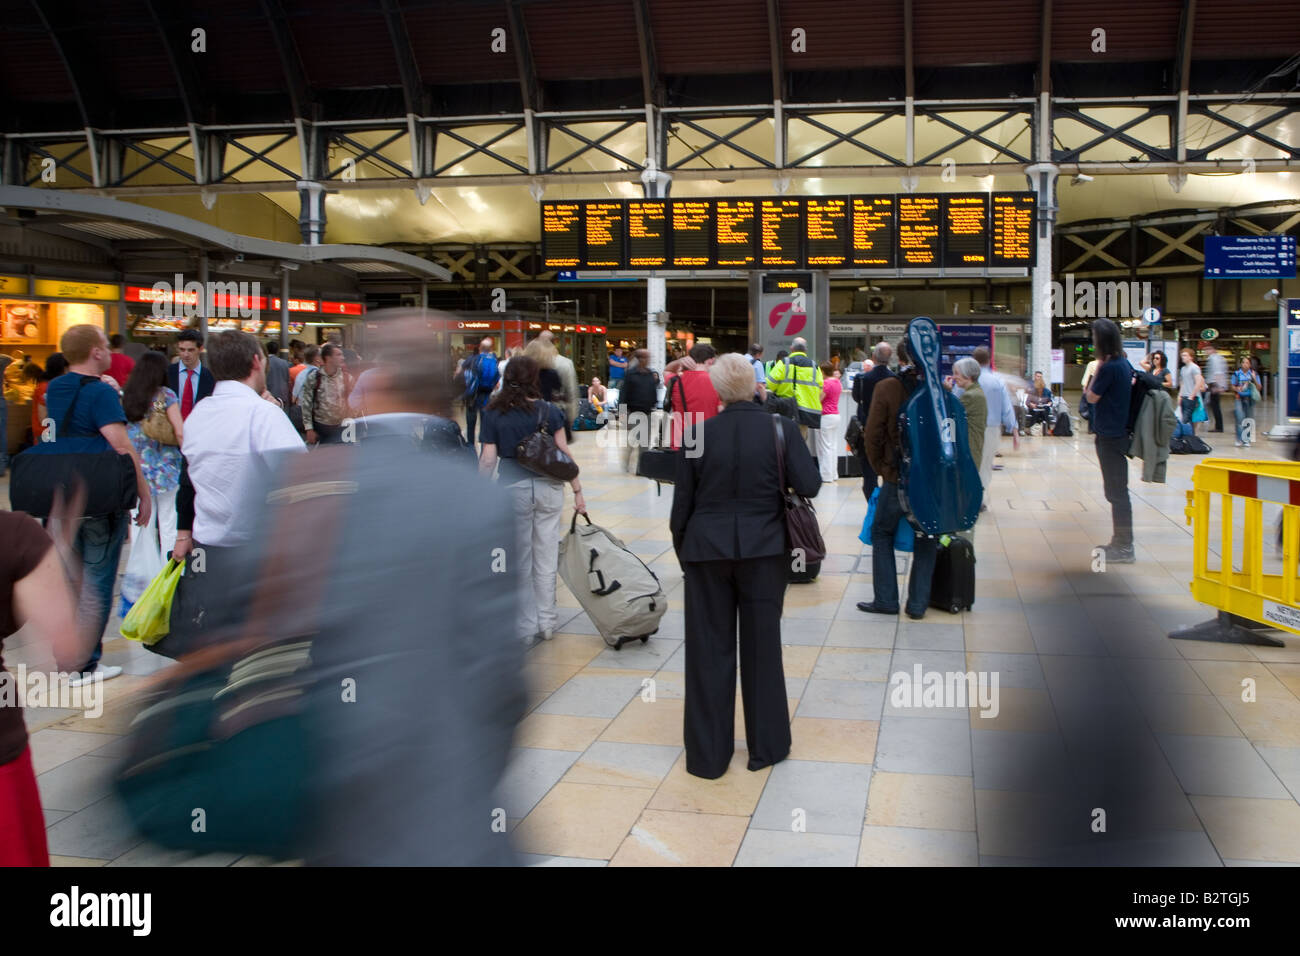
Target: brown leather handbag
[539, 453]
[157, 426]
[801, 530]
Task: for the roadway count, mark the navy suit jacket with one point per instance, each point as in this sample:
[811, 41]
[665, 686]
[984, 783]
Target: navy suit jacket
[206, 382]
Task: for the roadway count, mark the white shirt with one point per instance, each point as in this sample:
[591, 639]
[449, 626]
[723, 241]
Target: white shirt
[229, 440]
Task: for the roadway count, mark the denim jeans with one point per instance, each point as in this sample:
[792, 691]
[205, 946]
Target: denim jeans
[1242, 410]
[99, 545]
[1113, 458]
[884, 572]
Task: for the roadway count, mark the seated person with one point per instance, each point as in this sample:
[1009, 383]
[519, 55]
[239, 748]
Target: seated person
[596, 394]
[1038, 405]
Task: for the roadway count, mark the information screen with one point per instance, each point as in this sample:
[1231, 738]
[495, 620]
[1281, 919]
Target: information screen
[735, 229]
[647, 233]
[562, 235]
[692, 225]
[965, 229]
[826, 231]
[604, 227]
[874, 231]
[919, 231]
[1013, 230]
[780, 232]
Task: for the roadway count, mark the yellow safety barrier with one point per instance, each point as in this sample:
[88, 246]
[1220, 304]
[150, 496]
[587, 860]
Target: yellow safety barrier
[1246, 599]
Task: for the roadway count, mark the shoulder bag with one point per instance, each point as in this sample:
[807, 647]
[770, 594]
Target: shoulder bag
[108, 477]
[801, 531]
[539, 453]
[157, 426]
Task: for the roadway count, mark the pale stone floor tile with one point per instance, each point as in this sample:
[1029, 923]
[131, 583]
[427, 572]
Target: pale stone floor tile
[1285, 762]
[674, 838]
[529, 775]
[75, 861]
[533, 859]
[833, 740]
[643, 722]
[624, 764]
[1252, 829]
[927, 801]
[735, 793]
[903, 846]
[821, 797]
[559, 731]
[777, 848]
[849, 663]
[1221, 767]
[595, 693]
[77, 783]
[51, 747]
[583, 820]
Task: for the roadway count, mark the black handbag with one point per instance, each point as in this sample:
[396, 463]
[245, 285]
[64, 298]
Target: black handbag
[539, 453]
[108, 477]
[801, 531]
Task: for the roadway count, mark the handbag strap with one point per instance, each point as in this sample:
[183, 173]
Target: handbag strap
[63, 423]
[780, 450]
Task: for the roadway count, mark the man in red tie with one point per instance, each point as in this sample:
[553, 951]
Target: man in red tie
[189, 379]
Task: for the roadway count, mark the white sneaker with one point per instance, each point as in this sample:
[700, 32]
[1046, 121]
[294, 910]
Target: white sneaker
[107, 672]
[547, 634]
[1241, 445]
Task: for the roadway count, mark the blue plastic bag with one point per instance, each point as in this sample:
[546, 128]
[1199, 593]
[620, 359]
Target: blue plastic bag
[1198, 413]
[904, 534]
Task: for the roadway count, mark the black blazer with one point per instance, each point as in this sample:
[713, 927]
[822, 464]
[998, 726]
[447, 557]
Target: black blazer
[727, 502]
[864, 385]
[206, 382]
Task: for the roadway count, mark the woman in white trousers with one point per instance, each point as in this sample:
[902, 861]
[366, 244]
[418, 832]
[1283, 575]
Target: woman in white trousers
[829, 440]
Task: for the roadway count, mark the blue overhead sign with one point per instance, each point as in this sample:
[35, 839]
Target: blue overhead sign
[1250, 257]
[573, 275]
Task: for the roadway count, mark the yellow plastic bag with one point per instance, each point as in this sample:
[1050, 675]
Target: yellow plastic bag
[148, 619]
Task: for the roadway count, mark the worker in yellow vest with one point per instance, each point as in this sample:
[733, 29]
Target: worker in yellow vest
[798, 377]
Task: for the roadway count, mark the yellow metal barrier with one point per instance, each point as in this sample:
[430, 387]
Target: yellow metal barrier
[1247, 599]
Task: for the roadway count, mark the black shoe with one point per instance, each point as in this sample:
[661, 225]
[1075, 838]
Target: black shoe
[873, 608]
[916, 617]
[1118, 554]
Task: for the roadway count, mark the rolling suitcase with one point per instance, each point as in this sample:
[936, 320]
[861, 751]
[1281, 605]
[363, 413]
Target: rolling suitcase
[952, 588]
[659, 465]
[807, 575]
[849, 466]
[620, 594]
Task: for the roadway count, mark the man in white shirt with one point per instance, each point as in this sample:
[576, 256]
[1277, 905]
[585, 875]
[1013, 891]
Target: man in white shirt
[230, 446]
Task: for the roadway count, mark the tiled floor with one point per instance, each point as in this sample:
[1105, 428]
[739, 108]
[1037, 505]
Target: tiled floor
[1087, 677]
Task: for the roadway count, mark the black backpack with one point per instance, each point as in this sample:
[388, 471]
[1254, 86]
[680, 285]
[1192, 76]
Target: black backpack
[1062, 427]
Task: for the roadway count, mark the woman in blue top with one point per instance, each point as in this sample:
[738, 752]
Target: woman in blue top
[1246, 384]
[146, 393]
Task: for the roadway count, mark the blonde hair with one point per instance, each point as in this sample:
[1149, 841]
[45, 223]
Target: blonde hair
[542, 352]
[79, 341]
[732, 377]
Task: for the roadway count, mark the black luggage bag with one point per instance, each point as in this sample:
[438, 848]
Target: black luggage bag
[807, 575]
[849, 466]
[952, 588]
[1062, 427]
[659, 465]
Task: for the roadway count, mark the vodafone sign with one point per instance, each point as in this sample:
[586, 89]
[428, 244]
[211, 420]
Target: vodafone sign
[794, 322]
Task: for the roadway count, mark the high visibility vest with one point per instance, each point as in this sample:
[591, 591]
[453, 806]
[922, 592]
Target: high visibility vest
[798, 377]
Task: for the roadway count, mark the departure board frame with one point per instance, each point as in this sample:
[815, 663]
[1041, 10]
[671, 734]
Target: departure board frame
[869, 228]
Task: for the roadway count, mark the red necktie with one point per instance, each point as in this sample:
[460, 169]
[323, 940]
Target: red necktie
[187, 398]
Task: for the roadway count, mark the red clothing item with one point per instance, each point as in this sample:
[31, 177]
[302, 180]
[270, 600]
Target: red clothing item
[293, 373]
[22, 825]
[38, 397]
[831, 396]
[701, 400]
[120, 368]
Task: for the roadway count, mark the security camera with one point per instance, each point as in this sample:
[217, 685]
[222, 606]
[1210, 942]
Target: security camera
[1271, 295]
[1080, 178]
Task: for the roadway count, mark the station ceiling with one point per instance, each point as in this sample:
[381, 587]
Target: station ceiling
[135, 65]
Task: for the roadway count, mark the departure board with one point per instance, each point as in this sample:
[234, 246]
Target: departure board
[826, 232]
[968, 232]
[562, 234]
[1013, 236]
[692, 223]
[874, 231]
[919, 231]
[780, 232]
[647, 233]
[965, 229]
[735, 229]
[603, 227]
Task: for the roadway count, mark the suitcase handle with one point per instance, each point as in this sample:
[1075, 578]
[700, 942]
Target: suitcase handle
[596, 580]
[573, 525]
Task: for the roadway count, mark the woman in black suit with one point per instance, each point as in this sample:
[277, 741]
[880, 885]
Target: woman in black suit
[728, 524]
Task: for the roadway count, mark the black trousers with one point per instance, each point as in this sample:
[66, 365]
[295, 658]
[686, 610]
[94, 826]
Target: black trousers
[717, 594]
[1215, 410]
[1111, 455]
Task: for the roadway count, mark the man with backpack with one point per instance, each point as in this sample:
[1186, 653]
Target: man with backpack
[479, 378]
[797, 376]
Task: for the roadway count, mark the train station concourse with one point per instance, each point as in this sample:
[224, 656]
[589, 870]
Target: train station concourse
[629, 433]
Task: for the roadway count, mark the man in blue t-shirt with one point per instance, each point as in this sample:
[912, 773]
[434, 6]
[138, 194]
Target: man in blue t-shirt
[1109, 393]
[96, 424]
[617, 367]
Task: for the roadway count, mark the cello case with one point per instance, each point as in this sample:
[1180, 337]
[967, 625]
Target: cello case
[940, 486]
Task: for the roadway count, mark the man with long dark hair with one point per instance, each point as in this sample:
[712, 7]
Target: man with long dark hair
[1109, 393]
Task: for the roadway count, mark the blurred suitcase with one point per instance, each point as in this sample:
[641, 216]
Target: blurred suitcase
[659, 465]
[620, 594]
[849, 466]
[952, 588]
